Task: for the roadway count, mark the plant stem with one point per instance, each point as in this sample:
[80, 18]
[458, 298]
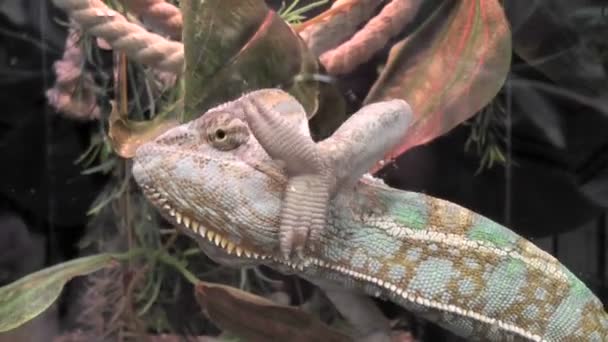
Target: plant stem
[178, 265]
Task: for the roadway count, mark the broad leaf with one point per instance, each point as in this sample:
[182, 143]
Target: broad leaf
[29, 296]
[235, 46]
[258, 319]
[232, 47]
[448, 69]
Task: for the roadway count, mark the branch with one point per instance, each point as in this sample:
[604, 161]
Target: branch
[137, 43]
[371, 38]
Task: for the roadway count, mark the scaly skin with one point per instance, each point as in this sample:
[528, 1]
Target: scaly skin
[314, 170]
[434, 258]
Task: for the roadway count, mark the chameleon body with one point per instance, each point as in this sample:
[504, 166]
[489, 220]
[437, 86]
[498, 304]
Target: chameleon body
[478, 279]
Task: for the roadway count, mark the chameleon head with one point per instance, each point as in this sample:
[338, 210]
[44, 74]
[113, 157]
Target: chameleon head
[212, 178]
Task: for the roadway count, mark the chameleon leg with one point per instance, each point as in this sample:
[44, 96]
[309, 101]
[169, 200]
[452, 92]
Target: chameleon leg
[316, 170]
[311, 181]
[362, 140]
[359, 310]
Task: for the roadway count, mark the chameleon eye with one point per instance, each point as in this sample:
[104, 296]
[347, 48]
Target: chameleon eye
[226, 133]
[220, 134]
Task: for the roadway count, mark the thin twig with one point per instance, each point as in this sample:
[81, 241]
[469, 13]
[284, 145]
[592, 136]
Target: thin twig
[137, 43]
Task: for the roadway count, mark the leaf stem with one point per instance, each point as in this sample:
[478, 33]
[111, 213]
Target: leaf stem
[161, 256]
[178, 265]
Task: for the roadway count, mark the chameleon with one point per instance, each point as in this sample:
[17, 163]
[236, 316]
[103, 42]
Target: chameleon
[223, 180]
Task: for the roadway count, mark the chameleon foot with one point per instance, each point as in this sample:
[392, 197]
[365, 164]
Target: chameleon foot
[311, 181]
[304, 213]
[316, 170]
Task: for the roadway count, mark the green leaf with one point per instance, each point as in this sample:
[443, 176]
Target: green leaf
[31, 295]
[235, 46]
[448, 69]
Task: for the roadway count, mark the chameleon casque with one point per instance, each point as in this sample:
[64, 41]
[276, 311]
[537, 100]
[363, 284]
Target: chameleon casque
[247, 181]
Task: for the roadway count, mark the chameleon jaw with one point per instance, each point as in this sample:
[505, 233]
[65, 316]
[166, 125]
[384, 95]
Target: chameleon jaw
[218, 239]
[190, 224]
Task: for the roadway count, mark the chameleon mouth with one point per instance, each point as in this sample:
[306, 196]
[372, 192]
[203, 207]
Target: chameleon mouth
[186, 221]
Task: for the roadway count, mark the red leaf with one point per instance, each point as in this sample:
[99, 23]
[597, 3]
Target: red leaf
[448, 69]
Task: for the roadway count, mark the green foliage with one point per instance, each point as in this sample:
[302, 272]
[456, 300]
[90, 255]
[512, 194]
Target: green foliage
[487, 134]
[31, 295]
[294, 15]
[26, 298]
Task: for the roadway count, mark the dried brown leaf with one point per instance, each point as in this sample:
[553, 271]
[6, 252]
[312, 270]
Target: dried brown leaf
[258, 319]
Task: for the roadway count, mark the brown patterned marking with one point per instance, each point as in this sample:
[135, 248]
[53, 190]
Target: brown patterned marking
[533, 252]
[545, 263]
[453, 287]
[465, 220]
[223, 167]
[591, 322]
[555, 292]
[474, 274]
[399, 258]
[215, 224]
[468, 302]
[219, 222]
[447, 217]
[514, 314]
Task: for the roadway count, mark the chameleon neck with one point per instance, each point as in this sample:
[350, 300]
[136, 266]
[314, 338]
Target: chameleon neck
[454, 267]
